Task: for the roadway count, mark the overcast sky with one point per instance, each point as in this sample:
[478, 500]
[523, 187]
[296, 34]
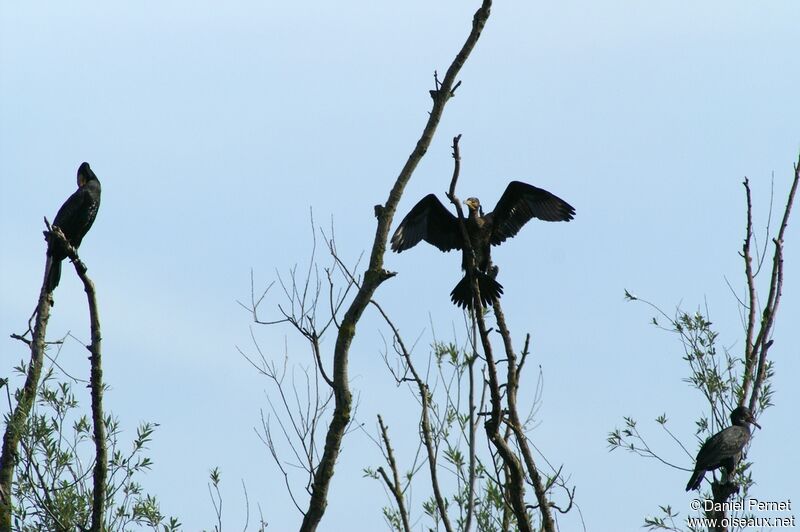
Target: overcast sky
[215, 127]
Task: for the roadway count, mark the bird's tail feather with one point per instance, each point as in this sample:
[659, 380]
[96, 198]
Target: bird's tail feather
[53, 274]
[489, 288]
[696, 480]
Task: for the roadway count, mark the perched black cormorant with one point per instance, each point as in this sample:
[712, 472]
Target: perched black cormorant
[74, 218]
[429, 220]
[723, 449]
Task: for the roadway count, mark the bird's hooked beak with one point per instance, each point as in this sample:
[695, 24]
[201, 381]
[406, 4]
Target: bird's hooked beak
[752, 420]
[84, 171]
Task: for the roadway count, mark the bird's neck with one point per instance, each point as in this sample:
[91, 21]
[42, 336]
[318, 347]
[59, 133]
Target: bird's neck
[742, 424]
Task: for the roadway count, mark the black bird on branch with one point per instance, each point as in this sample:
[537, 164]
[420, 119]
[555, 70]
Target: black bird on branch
[723, 449]
[429, 220]
[74, 218]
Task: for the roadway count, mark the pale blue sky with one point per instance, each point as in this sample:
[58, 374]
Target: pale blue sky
[214, 127]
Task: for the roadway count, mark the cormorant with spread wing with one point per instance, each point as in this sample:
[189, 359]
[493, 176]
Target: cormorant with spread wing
[723, 449]
[429, 220]
[74, 218]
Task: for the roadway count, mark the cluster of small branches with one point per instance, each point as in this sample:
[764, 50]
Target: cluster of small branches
[725, 379]
[60, 485]
[489, 487]
[489, 492]
[54, 488]
[452, 396]
[451, 411]
[302, 429]
[301, 397]
[215, 480]
[26, 397]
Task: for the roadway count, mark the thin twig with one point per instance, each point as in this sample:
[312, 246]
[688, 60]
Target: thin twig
[425, 424]
[394, 484]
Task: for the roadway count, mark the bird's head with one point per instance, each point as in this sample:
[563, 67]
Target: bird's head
[474, 204]
[85, 174]
[741, 415]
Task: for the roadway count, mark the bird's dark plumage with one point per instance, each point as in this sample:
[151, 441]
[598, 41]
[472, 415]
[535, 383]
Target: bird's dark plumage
[429, 220]
[723, 449]
[74, 218]
[521, 202]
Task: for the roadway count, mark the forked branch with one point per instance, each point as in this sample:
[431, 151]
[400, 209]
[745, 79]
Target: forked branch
[758, 354]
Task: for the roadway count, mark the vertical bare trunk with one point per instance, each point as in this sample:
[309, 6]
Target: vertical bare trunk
[373, 277]
[96, 384]
[25, 401]
[511, 397]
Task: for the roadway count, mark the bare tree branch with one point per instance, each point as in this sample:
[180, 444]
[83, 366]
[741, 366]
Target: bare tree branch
[27, 396]
[764, 340]
[751, 295]
[374, 277]
[516, 475]
[425, 423]
[394, 483]
[95, 384]
[516, 425]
